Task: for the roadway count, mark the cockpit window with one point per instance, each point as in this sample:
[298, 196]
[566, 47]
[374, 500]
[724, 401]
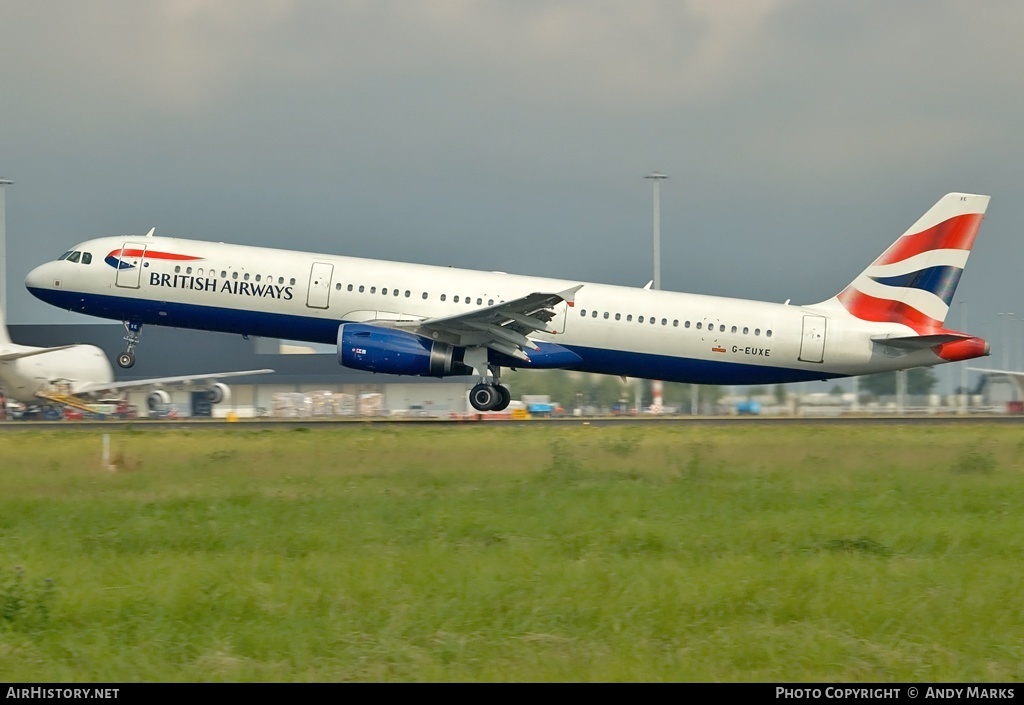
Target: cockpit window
[86, 258]
[74, 256]
[65, 255]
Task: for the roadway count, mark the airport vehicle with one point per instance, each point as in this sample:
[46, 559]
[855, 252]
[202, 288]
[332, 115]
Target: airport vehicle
[80, 376]
[413, 319]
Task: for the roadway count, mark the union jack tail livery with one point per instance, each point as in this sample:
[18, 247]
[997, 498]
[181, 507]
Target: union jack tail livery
[913, 281]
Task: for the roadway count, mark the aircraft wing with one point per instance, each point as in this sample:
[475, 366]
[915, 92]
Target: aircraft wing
[1008, 373]
[503, 327]
[94, 387]
[7, 357]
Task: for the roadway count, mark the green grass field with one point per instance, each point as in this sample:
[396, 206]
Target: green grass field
[514, 552]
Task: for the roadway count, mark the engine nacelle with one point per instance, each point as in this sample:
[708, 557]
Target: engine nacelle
[219, 393]
[396, 352]
[157, 399]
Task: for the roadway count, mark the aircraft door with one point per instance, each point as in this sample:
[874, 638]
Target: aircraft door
[128, 261]
[319, 285]
[812, 343]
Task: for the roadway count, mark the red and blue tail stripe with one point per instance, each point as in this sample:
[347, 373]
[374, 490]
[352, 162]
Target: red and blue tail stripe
[913, 282]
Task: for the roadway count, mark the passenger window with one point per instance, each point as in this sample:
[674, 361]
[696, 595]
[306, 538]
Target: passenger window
[734, 329]
[745, 330]
[234, 275]
[245, 276]
[618, 316]
[86, 258]
[361, 288]
[443, 296]
[349, 287]
[223, 274]
[653, 320]
[583, 312]
[384, 292]
[395, 293]
[757, 331]
[373, 290]
[455, 298]
[177, 269]
[640, 319]
[479, 301]
[721, 329]
[675, 323]
[490, 302]
[629, 317]
[188, 270]
[424, 296]
[594, 314]
[768, 333]
[606, 315]
[257, 276]
[292, 281]
[698, 325]
[338, 286]
[280, 280]
[686, 325]
[408, 293]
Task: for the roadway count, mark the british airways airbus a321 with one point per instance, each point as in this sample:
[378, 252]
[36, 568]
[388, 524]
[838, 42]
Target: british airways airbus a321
[414, 319]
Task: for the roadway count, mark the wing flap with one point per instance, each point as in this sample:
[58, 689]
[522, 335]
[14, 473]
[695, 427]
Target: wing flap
[503, 327]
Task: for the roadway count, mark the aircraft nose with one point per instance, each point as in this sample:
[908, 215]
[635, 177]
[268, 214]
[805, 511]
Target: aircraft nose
[41, 278]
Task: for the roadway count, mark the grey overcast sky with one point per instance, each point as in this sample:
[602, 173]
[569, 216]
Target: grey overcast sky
[801, 137]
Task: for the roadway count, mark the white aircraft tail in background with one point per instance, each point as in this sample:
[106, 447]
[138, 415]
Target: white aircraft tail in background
[412, 319]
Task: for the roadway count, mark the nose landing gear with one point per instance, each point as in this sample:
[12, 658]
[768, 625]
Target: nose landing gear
[127, 358]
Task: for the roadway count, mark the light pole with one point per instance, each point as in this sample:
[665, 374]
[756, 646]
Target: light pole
[1006, 339]
[656, 179]
[963, 365]
[3, 249]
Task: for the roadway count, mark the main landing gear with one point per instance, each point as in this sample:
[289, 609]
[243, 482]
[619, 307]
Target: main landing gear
[127, 358]
[490, 394]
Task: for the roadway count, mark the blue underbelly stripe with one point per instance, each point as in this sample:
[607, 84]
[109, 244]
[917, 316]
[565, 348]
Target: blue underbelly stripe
[321, 330]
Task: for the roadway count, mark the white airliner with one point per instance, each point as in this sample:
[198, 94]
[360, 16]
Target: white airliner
[413, 319]
[33, 375]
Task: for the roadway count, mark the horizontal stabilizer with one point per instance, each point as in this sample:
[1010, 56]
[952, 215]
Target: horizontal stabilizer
[918, 342]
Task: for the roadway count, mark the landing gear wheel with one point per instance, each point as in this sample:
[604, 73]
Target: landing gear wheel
[504, 398]
[483, 397]
[126, 359]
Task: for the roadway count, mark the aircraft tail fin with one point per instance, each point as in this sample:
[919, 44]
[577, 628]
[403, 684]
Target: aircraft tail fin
[913, 281]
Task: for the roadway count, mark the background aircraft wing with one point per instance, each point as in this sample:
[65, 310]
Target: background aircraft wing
[94, 387]
[503, 327]
[7, 357]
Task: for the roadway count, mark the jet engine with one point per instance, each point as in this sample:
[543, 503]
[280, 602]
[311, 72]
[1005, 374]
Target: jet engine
[377, 349]
[157, 398]
[219, 392]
